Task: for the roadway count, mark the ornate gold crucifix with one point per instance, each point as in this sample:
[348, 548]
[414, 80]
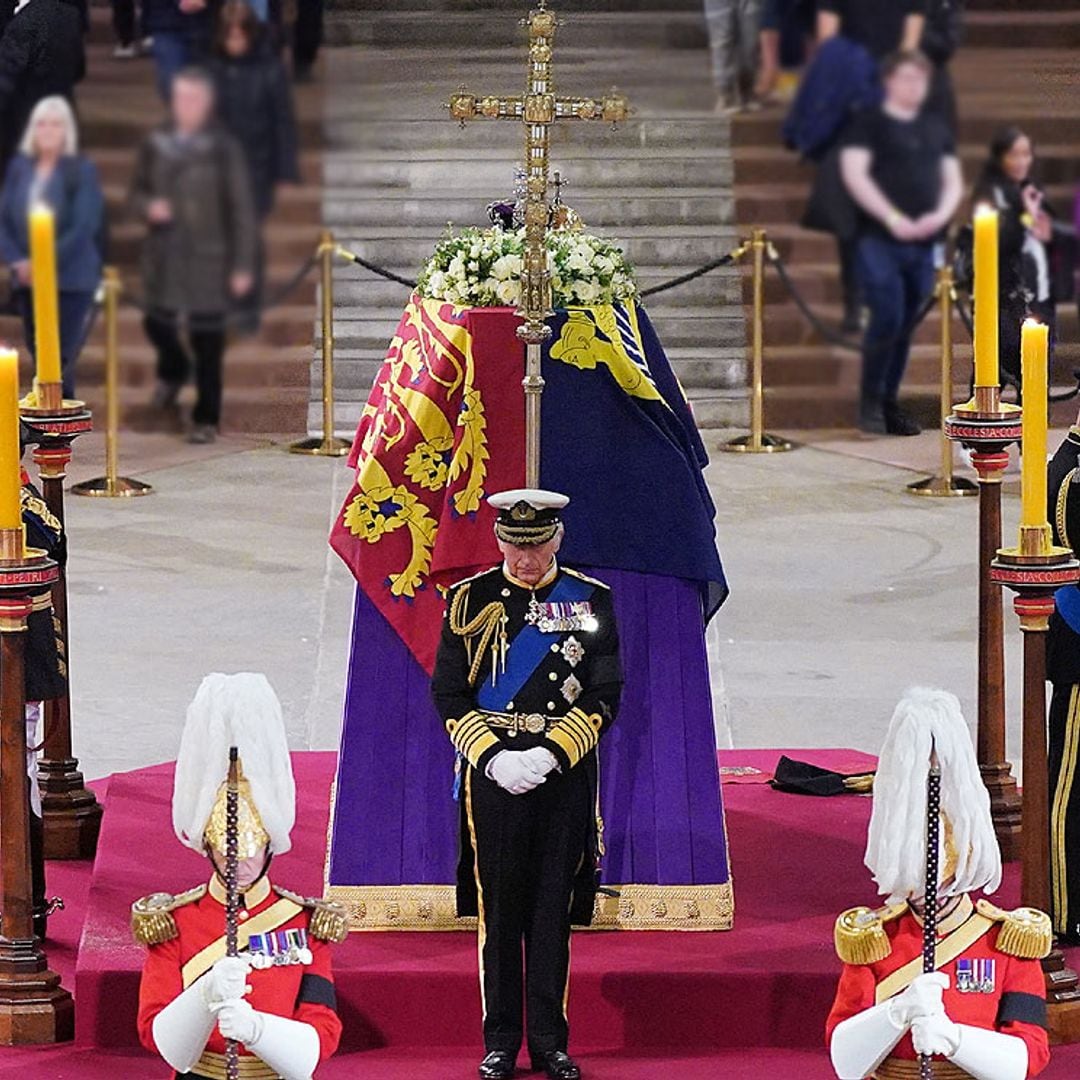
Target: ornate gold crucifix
[538, 109]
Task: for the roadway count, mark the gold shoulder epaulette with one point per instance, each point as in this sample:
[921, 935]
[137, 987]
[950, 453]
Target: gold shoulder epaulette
[152, 921]
[860, 933]
[329, 921]
[1025, 933]
[585, 577]
[475, 577]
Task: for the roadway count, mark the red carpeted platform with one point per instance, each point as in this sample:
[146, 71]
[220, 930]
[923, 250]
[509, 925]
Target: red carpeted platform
[747, 1003]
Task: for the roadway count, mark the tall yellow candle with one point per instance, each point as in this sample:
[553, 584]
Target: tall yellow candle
[986, 296]
[1035, 353]
[44, 286]
[10, 469]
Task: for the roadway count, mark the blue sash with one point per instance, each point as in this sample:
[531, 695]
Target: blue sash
[529, 648]
[1068, 605]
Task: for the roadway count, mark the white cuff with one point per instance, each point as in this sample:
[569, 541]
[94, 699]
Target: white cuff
[290, 1047]
[991, 1055]
[863, 1041]
[183, 1027]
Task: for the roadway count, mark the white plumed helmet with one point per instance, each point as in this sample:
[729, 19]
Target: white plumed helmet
[930, 720]
[242, 711]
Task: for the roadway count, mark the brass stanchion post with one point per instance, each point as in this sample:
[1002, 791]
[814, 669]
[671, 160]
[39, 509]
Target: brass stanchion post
[945, 484]
[327, 444]
[758, 441]
[112, 485]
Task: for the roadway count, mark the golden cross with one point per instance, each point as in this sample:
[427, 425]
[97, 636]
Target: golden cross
[538, 109]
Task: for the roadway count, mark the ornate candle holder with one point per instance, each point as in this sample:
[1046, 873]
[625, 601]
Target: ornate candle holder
[1034, 570]
[72, 814]
[34, 1007]
[986, 427]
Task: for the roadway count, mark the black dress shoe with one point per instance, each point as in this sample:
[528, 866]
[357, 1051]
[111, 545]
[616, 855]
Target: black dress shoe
[898, 422]
[498, 1065]
[557, 1065]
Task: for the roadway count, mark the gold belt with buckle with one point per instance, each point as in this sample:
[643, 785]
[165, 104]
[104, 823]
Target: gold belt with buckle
[525, 723]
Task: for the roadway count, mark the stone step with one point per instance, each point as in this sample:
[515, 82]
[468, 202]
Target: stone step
[1056, 29]
[431, 135]
[344, 209]
[419, 7]
[488, 176]
[475, 31]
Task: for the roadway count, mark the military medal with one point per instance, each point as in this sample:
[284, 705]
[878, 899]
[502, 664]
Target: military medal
[976, 976]
[561, 618]
[279, 948]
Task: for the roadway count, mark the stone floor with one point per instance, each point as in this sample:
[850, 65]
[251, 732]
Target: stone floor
[845, 590]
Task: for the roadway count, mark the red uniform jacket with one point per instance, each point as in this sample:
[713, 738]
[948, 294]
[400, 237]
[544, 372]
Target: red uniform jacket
[302, 992]
[1015, 1006]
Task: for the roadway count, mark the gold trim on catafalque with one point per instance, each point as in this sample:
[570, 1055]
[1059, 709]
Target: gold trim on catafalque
[636, 907]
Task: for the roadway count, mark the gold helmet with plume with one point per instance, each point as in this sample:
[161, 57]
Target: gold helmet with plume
[242, 711]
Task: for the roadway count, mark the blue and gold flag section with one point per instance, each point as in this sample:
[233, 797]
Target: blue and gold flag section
[443, 429]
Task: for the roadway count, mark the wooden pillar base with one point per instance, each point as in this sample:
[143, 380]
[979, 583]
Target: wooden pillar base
[34, 1008]
[72, 814]
[1005, 807]
[1062, 1000]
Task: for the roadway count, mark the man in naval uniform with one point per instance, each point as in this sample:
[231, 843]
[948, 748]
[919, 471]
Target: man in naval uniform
[982, 1012]
[1063, 670]
[276, 998]
[527, 680]
[45, 667]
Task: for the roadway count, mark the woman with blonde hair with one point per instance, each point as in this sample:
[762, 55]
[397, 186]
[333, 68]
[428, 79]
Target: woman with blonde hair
[49, 169]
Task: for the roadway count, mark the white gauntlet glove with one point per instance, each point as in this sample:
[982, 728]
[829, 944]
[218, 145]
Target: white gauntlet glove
[226, 980]
[238, 1021]
[921, 999]
[514, 772]
[935, 1035]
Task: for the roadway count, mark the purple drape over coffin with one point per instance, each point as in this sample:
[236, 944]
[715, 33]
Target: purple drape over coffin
[395, 822]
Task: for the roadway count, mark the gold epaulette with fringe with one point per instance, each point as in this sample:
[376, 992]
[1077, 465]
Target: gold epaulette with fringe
[1025, 933]
[329, 921]
[152, 921]
[860, 933]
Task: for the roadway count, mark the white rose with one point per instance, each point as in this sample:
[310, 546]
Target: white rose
[491, 285]
[579, 261]
[587, 291]
[508, 266]
[509, 292]
[437, 283]
[456, 269]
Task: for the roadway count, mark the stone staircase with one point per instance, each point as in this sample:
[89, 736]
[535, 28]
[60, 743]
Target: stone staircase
[1018, 66]
[267, 376]
[396, 170]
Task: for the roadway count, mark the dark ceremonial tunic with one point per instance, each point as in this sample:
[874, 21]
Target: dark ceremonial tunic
[296, 991]
[528, 862]
[988, 987]
[46, 665]
[1063, 671]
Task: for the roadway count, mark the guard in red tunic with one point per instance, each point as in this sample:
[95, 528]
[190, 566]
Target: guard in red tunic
[982, 1012]
[276, 998]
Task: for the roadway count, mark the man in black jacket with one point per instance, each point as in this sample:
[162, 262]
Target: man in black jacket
[527, 680]
[41, 53]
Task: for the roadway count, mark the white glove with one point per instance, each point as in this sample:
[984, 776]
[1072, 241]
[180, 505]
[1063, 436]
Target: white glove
[935, 1035]
[238, 1021]
[290, 1047]
[990, 1055]
[513, 772]
[226, 980]
[182, 1028]
[542, 759]
[921, 998]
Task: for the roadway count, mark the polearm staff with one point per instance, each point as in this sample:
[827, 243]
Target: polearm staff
[232, 889]
[930, 908]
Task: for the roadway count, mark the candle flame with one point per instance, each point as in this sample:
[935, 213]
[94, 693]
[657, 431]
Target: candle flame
[983, 209]
[1032, 322]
